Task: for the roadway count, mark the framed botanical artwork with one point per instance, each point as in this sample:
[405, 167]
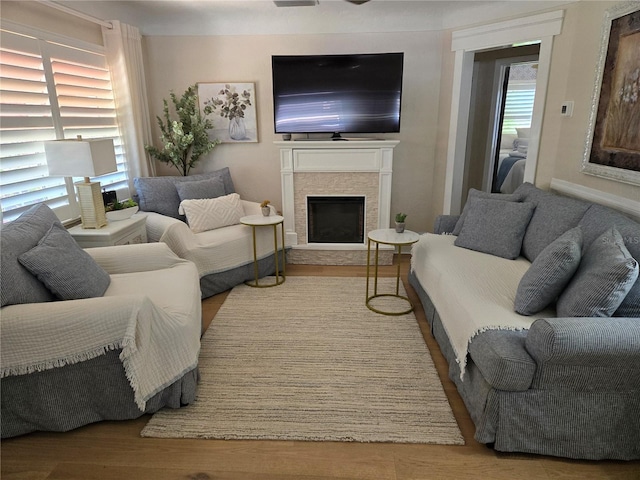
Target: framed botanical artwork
[612, 149]
[231, 107]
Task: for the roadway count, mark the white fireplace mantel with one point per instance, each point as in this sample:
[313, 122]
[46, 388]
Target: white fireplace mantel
[364, 156]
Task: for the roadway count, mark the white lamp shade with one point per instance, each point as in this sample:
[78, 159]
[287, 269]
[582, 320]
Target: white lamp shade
[80, 158]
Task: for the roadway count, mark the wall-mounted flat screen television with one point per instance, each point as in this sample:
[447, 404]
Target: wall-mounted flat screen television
[359, 93]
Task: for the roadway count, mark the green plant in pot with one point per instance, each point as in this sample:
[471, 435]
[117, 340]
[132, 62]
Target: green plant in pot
[184, 139]
[400, 218]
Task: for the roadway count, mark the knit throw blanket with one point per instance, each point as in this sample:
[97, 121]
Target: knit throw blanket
[157, 347]
[472, 291]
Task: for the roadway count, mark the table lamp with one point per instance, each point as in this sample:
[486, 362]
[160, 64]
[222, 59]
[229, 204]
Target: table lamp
[84, 158]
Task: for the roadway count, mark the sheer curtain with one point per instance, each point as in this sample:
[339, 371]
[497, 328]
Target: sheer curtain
[124, 53]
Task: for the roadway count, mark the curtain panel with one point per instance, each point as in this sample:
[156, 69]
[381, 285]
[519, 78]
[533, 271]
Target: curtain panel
[123, 44]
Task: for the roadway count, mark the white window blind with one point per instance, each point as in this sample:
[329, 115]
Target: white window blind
[518, 108]
[50, 90]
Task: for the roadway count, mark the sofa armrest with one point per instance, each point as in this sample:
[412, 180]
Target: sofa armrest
[503, 360]
[141, 257]
[157, 224]
[253, 208]
[586, 354]
[445, 224]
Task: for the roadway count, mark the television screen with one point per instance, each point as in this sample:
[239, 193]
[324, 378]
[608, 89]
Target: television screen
[358, 93]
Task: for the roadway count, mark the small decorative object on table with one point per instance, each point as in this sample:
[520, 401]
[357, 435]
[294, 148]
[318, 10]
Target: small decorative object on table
[121, 210]
[400, 218]
[266, 209]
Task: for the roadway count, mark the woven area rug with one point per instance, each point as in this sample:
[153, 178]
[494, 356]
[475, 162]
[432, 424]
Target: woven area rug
[307, 360]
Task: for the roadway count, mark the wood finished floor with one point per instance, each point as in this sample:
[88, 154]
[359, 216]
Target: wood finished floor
[115, 450]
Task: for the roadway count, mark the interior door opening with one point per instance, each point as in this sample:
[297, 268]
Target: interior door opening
[503, 89]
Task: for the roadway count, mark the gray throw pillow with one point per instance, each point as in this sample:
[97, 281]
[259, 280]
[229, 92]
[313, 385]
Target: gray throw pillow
[476, 194]
[18, 284]
[159, 194]
[199, 189]
[605, 275]
[496, 227]
[549, 273]
[67, 270]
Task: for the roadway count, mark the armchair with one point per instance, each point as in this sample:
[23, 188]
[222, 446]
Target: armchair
[223, 256]
[131, 351]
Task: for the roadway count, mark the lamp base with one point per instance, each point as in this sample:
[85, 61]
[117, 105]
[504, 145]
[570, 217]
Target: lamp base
[91, 205]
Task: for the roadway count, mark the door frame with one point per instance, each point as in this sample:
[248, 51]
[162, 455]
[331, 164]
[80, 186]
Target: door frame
[542, 27]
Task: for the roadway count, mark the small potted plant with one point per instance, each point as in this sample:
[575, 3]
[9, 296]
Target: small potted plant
[266, 209]
[400, 218]
[121, 210]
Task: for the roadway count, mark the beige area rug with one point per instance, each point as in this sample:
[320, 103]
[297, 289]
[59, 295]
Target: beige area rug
[307, 360]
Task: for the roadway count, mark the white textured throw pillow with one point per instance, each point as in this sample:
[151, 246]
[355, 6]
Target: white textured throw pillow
[211, 213]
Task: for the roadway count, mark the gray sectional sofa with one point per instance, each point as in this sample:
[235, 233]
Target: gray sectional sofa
[550, 382]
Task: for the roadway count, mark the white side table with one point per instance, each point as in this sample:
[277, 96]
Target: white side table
[121, 232]
[264, 221]
[387, 236]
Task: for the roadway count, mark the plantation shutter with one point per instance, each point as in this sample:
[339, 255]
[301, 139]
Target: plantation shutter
[518, 109]
[50, 90]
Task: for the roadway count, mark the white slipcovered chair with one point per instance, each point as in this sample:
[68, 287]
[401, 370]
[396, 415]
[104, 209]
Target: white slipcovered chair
[107, 333]
[223, 256]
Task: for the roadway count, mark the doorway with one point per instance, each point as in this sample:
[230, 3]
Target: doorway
[466, 44]
[503, 92]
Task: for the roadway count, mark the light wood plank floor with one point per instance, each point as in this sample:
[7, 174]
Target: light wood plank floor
[114, 450]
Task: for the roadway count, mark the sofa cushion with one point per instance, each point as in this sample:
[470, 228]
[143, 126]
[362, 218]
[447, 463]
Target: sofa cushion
[211, 213]
[594, 223]
[208, 188]
[472, 196]
[554, 215]
[159, 194]
[19, 236]
[65, 268]
[503, 360]
[495, 227]
[549, 273]
[605, 275]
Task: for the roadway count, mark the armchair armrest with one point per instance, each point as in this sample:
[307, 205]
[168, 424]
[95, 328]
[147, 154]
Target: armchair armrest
[158, 224]
[142, 257]
[253, 208]
[586, 354]
[445, 224]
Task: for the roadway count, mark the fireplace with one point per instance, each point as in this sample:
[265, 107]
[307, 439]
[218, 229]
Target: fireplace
[335, 219]
[356, 171]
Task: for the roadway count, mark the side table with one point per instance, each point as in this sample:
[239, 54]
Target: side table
[121, 232]
[255, 221]
[387, 236]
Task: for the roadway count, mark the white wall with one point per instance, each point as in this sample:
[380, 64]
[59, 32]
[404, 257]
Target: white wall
[173, 63]
[573, 73]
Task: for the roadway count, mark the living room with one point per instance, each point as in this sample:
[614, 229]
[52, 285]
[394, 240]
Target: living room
[183, 56]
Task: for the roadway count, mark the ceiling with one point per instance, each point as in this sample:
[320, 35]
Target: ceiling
[263, 17]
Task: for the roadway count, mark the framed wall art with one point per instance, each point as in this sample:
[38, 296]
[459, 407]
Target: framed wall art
[231, 107]
[612, 148]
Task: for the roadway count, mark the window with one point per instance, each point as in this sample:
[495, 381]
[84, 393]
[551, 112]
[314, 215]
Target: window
[521, 93]
[50, 89]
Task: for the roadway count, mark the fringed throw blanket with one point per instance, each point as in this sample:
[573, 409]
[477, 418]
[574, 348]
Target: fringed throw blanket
[158, 347]
[472, 291]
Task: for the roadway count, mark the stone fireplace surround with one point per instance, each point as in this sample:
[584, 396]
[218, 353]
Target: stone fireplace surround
[342, 168]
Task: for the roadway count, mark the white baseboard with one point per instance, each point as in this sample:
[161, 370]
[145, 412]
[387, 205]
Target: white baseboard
[624, 205]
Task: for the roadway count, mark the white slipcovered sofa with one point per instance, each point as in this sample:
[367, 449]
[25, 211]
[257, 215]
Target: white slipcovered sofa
[107, 333]
[224, 255]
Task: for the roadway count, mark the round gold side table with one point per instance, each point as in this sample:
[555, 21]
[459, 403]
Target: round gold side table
[387, 236]
[255, 221]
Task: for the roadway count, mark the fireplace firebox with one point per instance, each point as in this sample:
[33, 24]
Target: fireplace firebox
[335, 219]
